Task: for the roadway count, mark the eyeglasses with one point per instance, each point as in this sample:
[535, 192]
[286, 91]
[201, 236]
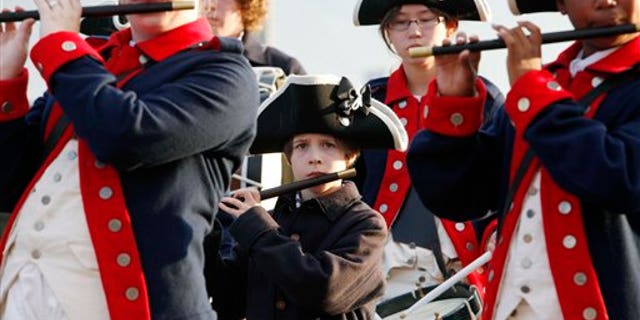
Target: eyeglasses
[423, 23]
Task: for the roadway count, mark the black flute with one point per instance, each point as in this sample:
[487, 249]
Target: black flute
[550, 37]
[107, 10]
[306, 183]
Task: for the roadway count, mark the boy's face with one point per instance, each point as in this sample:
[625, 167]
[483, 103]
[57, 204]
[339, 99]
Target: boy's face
[601, 13]
[317, 154]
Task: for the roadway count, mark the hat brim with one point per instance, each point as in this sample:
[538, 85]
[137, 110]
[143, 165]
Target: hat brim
[302, 105]
[371, 12]
[518, 7]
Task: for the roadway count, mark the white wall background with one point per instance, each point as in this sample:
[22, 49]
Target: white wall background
[321, 34]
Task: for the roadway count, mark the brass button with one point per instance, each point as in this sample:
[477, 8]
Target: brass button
[295, 236]
[281, 305]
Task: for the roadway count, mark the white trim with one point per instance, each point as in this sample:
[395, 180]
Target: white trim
[390, 119]
[513, 7]
[300, 80]
[356, 13]
[484, 10]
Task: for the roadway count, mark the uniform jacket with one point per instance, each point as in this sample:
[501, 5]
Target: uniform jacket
[590, 177]
[260, 55]
[378, 170]
[320, 261]
[154, 157]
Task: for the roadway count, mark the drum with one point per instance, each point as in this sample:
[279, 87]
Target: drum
[445, 309]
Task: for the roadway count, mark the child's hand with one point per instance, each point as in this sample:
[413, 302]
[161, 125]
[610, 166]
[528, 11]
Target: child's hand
[240, 201]
[524, 52]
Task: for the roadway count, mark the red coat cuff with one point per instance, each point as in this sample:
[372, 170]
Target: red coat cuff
[530, 94]
[57, 49]
[453, 116]
[13, 97]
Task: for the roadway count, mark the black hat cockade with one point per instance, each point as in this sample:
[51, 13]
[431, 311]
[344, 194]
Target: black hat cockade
[329, 105]
[371, 12]
[518, 7]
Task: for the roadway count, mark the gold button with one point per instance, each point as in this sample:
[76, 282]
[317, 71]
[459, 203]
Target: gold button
[295, 236]
[280, 305]
[36, 254]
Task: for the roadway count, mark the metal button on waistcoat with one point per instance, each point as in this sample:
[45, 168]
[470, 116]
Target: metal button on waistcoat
[530, 213]
[526, 263]
[525, 289]
[72, 155]
[295, 236]
[115, 225]
[123, 260]
[132, 293]
[38, 226]
[45, 200]
[69, 46]
[57, 177]
[36, 254]
[281, 305]
[527, 238]
[105, 193]
[524, 104]
[532, 191]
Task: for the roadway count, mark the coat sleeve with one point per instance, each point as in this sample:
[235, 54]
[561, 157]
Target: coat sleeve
[201, 100]
[595, 159]
[343, 277]
[19, 140]
[456, 167]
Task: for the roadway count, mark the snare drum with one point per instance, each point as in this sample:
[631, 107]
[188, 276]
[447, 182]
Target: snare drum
[445, 309]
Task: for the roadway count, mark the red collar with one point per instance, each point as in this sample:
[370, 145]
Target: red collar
[397, 88]
[620, 60]
[168, 43]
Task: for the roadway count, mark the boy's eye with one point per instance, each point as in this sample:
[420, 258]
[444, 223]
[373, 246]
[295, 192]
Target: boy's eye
[299, 146]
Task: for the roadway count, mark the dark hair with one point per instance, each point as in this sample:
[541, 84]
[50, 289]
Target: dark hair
[386, 20]
[351, 149]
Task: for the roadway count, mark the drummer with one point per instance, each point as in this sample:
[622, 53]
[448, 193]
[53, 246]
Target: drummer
[423, 250]
[318, 254]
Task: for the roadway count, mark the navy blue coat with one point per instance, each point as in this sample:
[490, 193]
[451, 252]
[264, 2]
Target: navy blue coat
[175, 134]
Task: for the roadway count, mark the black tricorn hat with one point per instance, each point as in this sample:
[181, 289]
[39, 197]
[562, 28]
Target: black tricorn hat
[370, 12]
[330, 105]
[518, 7]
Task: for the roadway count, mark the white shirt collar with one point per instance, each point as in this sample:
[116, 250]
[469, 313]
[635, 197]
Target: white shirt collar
[579, 64]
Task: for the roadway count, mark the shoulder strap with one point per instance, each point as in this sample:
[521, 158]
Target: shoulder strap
[607, 85]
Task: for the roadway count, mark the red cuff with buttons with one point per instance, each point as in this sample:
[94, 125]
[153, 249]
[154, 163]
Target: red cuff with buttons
[13, 97]
[57, 49]
[453, 116]
[530, 94]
